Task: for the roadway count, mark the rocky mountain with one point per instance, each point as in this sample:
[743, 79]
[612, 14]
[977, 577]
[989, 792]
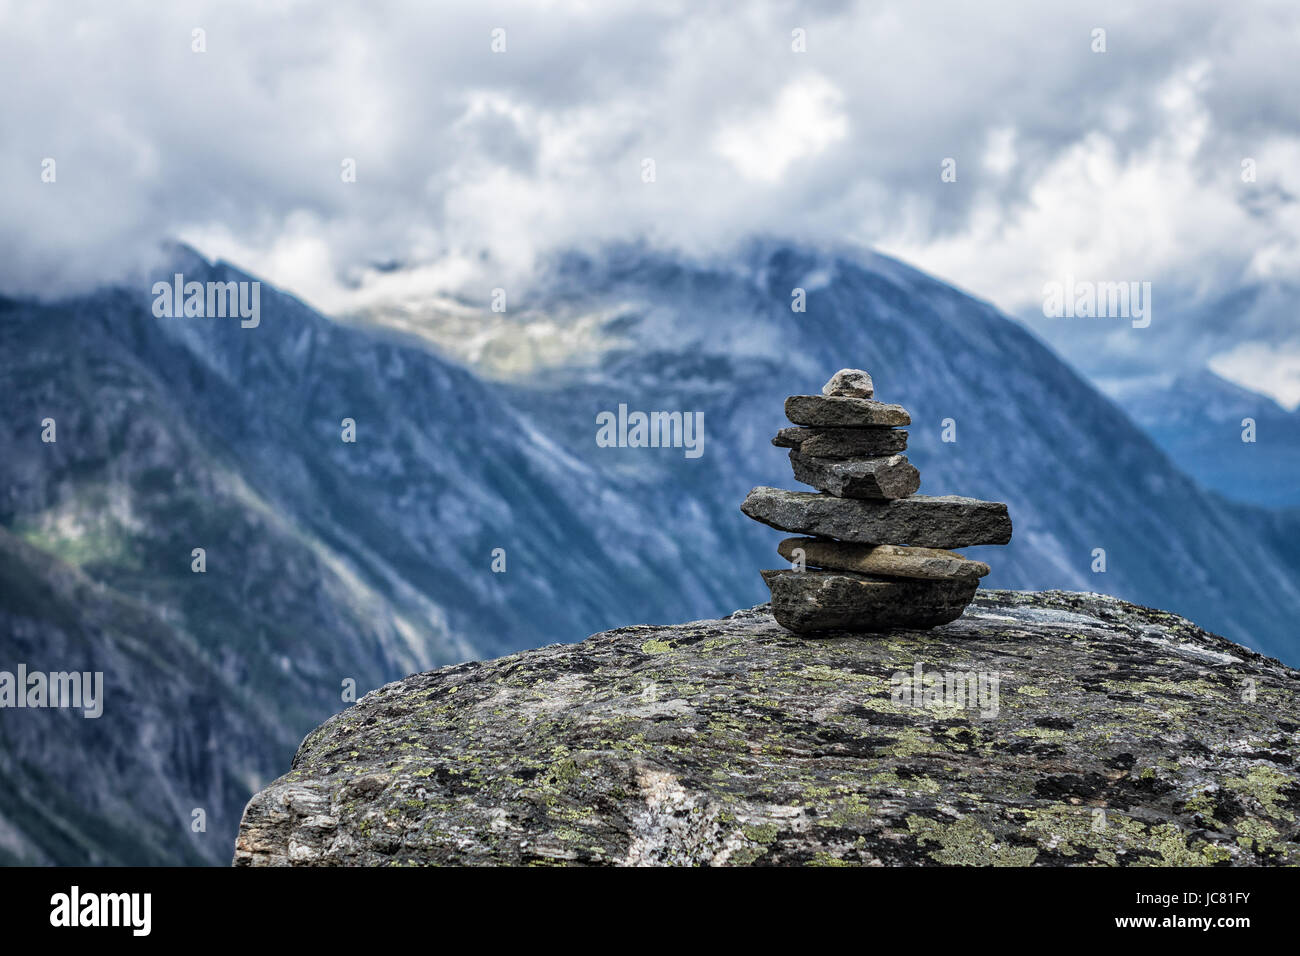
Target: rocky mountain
[178, 733]
[1197, 420]
[1039, 729]
[328, 565]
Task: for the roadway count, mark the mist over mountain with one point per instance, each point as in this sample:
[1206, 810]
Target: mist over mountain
[329, 561]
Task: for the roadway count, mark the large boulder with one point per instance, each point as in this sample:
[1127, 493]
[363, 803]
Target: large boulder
[1113, 735]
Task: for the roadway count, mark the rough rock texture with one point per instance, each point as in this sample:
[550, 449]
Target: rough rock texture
[889, 477]
[837, 412]
[948, 521]
[812, 602]
[883, 559]
[850, 382]
[843, 442]
[1122, 735]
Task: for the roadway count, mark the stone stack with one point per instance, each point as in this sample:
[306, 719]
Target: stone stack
[881, 551]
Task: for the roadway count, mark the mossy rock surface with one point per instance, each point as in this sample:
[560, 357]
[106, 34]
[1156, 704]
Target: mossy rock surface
[1120, 736]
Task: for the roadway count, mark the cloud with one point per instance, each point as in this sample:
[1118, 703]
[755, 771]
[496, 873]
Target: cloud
[806, 117]
[1264, 367]
[1117, 165]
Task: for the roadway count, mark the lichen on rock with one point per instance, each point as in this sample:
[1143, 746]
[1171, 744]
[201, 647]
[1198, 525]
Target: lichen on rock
[1091, 732]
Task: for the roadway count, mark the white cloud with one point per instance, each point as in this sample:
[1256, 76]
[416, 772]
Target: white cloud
[806, 118]
[1117, 165]
[1105, 210]
[1270, 368]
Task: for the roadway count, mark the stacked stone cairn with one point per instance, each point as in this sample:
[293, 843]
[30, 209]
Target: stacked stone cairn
[881, 551]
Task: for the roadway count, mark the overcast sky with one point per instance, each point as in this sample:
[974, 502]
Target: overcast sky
[1122, 165]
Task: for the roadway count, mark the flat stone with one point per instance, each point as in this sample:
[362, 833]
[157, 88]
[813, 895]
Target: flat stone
[883, 560]
[949, 521]
[851, 383]
[889, 477]
[842, 442]
[812, 601]
[842, 412]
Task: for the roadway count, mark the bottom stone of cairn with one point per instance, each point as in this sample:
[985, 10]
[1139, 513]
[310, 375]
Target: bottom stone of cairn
[812, 601]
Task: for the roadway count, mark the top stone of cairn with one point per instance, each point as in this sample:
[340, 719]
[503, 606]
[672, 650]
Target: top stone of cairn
[849, 383]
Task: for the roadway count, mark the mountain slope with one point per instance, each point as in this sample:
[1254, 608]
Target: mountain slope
[327, 563]
[176, 734]
[656, 332]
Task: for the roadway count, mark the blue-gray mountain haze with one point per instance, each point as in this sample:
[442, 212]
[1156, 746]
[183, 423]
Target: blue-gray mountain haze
[1199, 419]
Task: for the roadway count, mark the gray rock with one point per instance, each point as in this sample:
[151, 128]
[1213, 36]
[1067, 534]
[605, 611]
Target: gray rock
[842, 442]
[850, 383]
[885, 560]
[836, 412]
[808, 602]
[734, 741]
[949, 521]
[890, 477]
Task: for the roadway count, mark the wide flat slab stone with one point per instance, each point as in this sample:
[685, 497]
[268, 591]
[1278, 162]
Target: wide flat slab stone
[842, 442]
[892, 476]
[949, 521]
[811, 601]
[843, 412]
[884, 560]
